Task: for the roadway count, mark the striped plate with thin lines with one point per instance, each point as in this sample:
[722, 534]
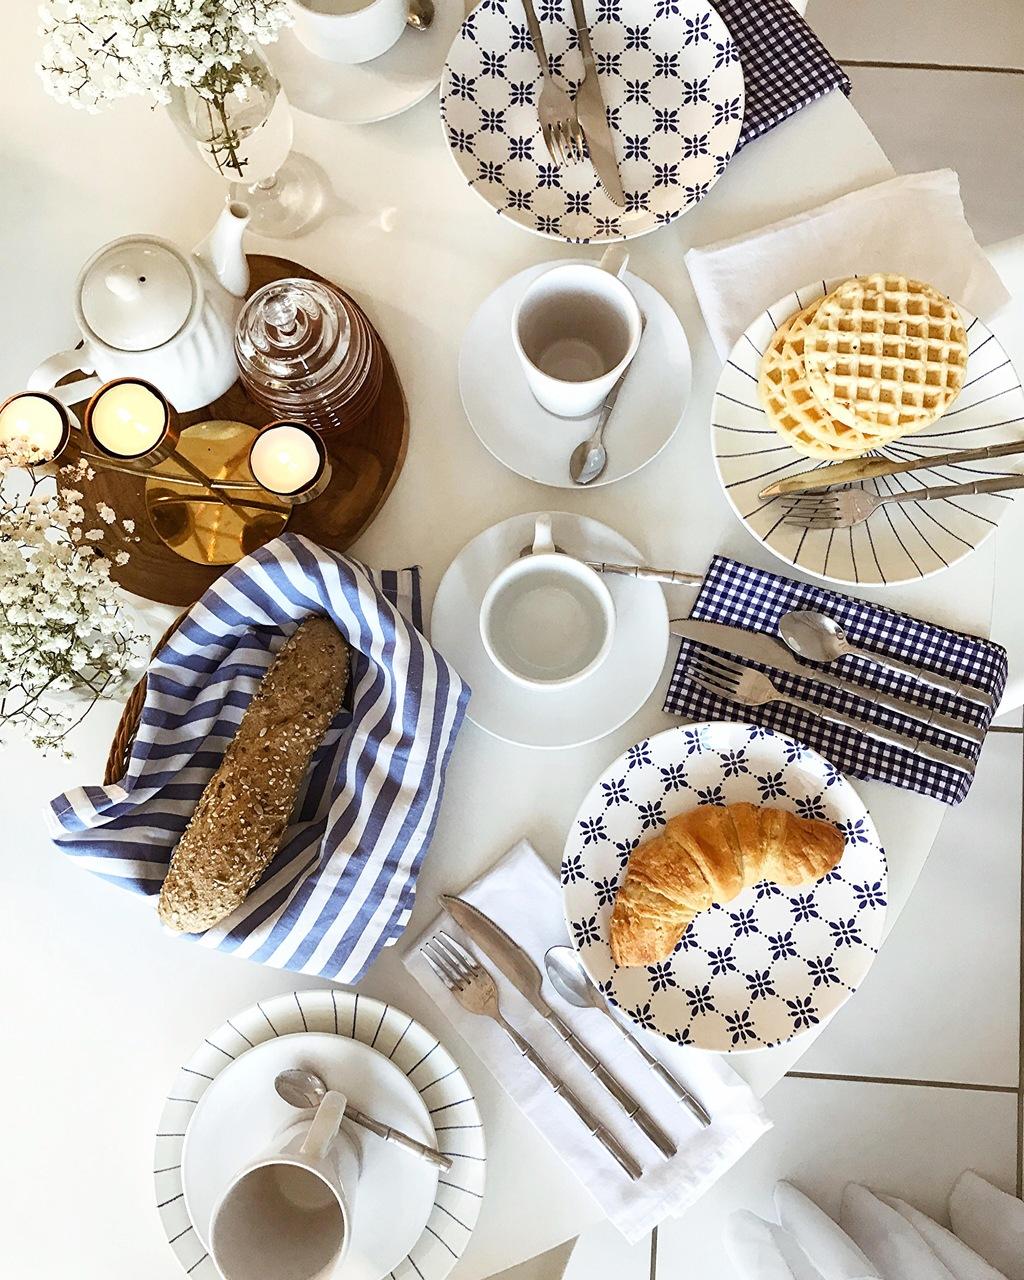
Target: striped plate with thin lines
[900, 542]
[425, 1061]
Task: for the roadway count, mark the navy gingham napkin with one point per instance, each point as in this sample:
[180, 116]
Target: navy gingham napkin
[740, 596]
[785, 65]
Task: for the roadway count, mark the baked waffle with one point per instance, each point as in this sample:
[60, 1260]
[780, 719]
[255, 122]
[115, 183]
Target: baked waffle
[885, 354]
[791, 405]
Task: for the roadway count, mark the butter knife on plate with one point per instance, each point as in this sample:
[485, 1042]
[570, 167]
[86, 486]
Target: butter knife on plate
[590, 112]
[524, 975]
[756, 647]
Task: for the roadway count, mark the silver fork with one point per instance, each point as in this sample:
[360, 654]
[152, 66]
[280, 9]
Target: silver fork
[842, 508]
[474, 988]
[730, 679]
[559, 125]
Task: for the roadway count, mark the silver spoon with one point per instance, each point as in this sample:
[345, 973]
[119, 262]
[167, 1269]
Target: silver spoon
[301, 1088]
[819, 638]
[420, 15]
[679, 577]
[573, 984]
[590, 457]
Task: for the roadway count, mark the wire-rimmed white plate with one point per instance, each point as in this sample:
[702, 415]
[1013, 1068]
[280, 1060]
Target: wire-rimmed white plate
[773, 962]
[672, 84]
[900, 542]
[409, 1046]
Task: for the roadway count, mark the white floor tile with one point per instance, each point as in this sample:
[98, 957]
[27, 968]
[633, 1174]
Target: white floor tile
[964, 120]
[905, 1140]
[546, 1266]
[942, 1000]
[981, 33]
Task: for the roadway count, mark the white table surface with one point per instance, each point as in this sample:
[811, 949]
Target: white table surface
[100, 1006]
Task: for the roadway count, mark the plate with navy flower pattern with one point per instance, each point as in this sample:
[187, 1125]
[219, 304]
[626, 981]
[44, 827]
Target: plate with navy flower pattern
[672, 84]
[774, 962]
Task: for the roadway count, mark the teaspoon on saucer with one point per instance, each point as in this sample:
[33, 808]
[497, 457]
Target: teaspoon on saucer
[301, 1088]
[420, 15]
[590, 457]
[573, 984]
[679, 577]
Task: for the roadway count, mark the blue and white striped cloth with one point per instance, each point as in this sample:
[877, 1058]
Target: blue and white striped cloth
[341, 887]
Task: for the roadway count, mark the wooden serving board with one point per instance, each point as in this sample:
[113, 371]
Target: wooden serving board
[366, 463]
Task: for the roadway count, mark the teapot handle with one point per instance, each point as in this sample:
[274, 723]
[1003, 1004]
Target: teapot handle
[50, 372]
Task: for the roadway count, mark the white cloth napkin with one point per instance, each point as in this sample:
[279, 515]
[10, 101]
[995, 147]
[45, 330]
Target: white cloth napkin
[913, 225]
[521, 894]
[827, 1245]
[893, 1245]
[762, 1249]
[964, 1263]
[990, 1222]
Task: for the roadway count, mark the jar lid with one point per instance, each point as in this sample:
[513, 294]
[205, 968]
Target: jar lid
[293, 336]
[136, 294]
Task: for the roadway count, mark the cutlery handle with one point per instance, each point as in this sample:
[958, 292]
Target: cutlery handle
[533, 26]
[636, 1112]
[997, 484]
[657, 1066]
[679, 577]
[890, 736]
[399, 1138]
[607, 1140]
[580, 18]
[935, 678]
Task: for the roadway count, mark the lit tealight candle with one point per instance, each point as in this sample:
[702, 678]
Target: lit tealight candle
[38, 421]
[127, 419]
[289, 459]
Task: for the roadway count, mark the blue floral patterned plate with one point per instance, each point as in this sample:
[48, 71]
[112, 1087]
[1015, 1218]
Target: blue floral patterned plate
[673, 89]
[773, 962]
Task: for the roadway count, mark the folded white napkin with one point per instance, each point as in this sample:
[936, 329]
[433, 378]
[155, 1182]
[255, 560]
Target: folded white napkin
[964, 1263]
[764, 1251]
[990, 1222]
[521, 894]
[827, 1245]
[895, 1248]
[913, 225]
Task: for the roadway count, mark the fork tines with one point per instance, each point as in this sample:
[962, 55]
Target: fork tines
[449, 959]
[813, 511]
[715, 674]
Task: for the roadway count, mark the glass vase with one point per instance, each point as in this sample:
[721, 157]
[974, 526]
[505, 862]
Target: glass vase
[241, 128]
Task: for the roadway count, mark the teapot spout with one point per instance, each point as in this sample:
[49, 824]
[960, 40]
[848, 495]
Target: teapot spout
[222, 253]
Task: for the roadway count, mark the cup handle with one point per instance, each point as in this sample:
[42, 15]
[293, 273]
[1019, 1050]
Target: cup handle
[614, 260]
[543, 542]
[324, 1128]
[59, 366]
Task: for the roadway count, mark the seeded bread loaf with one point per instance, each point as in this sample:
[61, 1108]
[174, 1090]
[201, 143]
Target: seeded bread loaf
[243, 812]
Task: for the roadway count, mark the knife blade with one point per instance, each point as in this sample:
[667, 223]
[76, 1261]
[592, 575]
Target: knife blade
[590, 113]
[756, 647]
[524, 975]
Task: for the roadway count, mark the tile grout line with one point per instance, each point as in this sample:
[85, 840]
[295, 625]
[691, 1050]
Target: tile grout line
[930, 66]
[654, 1254]
[1013, 1089]
[1020, 1014]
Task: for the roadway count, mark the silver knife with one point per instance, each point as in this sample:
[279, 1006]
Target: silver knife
[590, 113]
[773, 653]
[524, 975]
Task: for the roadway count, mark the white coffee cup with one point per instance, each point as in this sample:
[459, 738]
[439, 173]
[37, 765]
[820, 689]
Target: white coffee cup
[548, 620]
[288, 1214]
[349, 30]
[575, 330]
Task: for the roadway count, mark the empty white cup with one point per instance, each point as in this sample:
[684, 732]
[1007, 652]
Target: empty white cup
[349, 30]
[547, 620]
[288, 1214]
[575, 330]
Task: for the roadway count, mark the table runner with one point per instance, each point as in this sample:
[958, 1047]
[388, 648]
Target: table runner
[341, 886]
[785, 65]
[738, 595]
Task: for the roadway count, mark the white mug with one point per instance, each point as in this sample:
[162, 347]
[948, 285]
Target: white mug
[547, 620]
[575, 330]
[349, 30]
[288, 1214]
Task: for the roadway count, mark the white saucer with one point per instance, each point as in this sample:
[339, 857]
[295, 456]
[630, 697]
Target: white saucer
[240, 1113]
[526, 438]
[582, 712]
[360, 93]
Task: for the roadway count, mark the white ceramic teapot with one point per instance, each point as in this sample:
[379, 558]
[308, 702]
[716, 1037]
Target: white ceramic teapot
[148, 310]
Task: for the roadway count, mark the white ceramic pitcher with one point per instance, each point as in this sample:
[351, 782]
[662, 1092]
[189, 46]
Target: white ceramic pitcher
[146, 309]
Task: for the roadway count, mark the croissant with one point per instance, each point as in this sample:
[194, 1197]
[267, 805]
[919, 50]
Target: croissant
[710, 854]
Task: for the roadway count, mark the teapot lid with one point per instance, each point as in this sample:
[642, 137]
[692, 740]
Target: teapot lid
[136, 293]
